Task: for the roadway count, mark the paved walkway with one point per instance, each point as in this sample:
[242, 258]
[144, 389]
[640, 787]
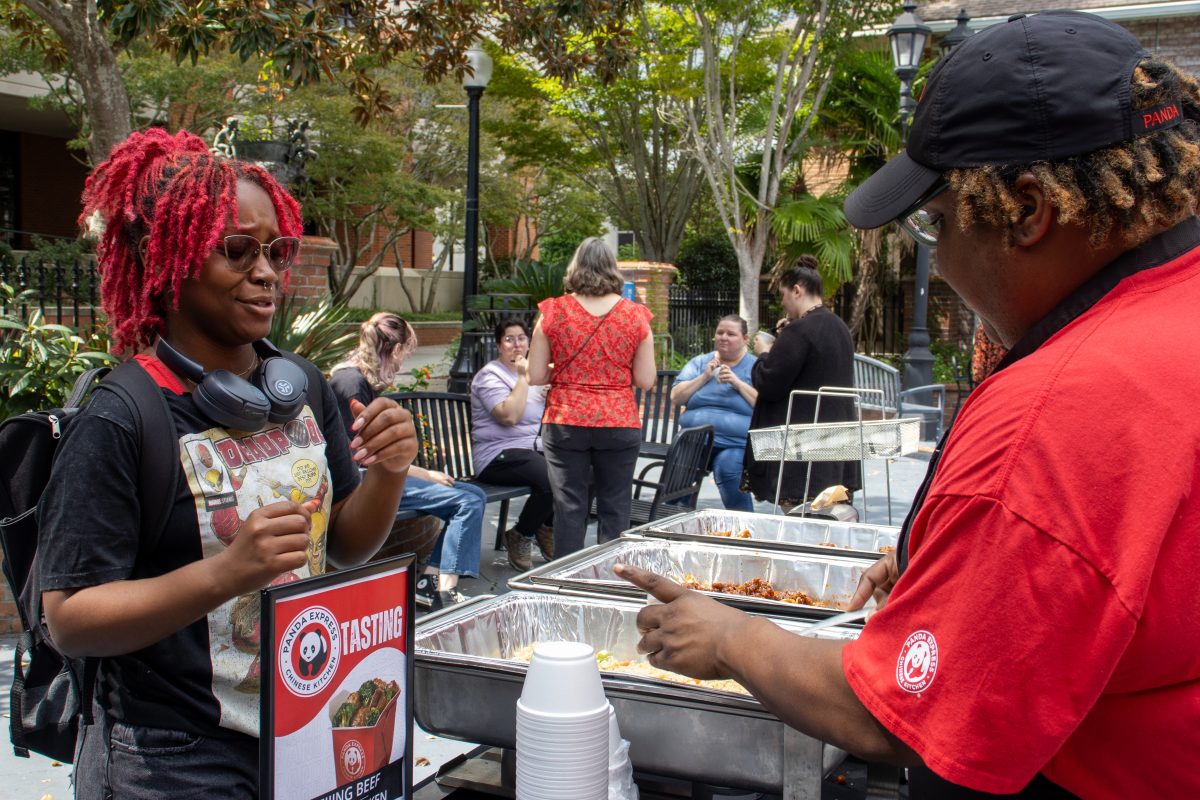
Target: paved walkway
[38, 778]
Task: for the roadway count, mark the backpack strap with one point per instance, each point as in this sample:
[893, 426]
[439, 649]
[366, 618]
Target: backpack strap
[157, 444]
[158, 472]
[82, 384]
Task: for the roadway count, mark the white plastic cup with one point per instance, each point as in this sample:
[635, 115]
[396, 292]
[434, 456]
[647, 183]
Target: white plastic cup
[563, 678]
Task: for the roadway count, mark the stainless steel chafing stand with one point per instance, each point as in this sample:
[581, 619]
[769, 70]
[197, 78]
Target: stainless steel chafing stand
[856, 440]
[775, 532]
[467, 685]
[826, 577]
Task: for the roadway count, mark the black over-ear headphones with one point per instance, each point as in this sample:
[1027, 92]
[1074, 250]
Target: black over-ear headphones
[275, 392]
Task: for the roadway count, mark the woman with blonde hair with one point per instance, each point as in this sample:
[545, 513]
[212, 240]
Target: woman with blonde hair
[592, 346]
[384, 341]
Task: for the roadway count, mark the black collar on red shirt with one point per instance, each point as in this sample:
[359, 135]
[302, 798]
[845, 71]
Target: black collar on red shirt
[1154, 252]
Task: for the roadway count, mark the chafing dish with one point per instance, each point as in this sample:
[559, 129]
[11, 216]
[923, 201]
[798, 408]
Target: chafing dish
[467, 686]
[828, 579]
[776, 532]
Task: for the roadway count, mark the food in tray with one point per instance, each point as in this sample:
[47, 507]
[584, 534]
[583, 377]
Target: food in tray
[364, 707]
[744, 533]
[755, 587]
[610, 663]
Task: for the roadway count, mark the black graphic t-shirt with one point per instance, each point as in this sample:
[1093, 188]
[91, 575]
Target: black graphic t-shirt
[205, 678]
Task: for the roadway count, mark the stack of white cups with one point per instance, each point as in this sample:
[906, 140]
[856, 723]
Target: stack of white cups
[562, 726]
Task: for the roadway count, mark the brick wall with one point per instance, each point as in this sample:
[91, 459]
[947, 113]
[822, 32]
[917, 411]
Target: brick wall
[653, 281]
[309, 276]
[1176, 38]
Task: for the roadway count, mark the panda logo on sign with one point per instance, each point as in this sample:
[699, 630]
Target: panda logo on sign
[314, 651]
[309, 651]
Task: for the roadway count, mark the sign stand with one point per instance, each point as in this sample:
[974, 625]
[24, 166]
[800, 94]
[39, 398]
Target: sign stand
[336, 708]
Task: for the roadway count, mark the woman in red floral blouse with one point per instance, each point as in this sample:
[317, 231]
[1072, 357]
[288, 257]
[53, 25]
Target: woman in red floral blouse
[592, 346]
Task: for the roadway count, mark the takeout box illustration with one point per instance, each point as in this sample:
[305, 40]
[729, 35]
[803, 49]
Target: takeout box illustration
[364, 723]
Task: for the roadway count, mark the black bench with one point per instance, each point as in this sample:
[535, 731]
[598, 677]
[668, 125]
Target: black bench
[443, 423]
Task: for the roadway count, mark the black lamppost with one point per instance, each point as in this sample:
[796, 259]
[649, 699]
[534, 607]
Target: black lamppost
[908, 36]
[474, 81]
[957, 35]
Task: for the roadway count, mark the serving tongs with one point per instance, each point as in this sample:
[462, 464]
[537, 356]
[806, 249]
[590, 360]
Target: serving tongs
[840, 619]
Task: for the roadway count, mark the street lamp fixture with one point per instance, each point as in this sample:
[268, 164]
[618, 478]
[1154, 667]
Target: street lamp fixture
[908, 36]
[957, 35]
[479, 72]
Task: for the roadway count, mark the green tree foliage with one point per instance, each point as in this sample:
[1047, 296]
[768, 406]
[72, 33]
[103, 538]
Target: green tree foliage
[764, 67]
[708, 261]
[369, 186]
[308, 42]
[544, 193]
[633, 129]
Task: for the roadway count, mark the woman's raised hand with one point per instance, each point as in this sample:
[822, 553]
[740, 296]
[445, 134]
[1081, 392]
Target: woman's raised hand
[272, 540]
[384, 435]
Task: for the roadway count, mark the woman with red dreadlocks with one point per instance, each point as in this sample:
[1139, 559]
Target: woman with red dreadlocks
[194, 251]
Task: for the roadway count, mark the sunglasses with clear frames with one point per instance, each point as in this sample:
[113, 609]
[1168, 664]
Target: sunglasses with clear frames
[241, 251]
[522, 339]
[921, 224]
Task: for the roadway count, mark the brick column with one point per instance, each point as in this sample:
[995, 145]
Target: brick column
[653, 281]
[309, 278]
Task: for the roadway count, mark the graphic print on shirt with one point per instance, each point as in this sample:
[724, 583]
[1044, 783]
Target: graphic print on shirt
[230, 475]
[918, 662]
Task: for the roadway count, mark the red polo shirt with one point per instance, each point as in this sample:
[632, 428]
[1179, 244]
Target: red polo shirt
[1048, 619]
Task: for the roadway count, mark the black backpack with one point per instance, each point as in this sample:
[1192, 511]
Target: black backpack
[51, 693]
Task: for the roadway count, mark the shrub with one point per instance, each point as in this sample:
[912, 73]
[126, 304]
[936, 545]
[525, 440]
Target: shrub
[538, 280]
[39, 362]
[314, 330]
[708, 261]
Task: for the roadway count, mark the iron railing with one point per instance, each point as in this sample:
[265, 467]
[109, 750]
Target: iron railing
[66, 293]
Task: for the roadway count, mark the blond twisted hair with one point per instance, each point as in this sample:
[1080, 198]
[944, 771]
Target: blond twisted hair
[384, 341]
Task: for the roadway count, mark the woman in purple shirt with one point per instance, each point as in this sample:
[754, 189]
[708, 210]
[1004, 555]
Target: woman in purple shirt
[506, 418]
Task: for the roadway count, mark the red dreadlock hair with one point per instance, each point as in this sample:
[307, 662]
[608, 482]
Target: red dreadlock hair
[173, 190]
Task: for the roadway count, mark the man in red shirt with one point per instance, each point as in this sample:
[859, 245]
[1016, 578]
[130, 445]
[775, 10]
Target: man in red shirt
[1040, 634]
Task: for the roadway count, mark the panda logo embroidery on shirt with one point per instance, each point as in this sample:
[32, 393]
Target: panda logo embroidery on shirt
[918, 662]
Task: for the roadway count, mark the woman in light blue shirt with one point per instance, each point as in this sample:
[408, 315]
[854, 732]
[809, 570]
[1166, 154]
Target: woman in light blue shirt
[717, 391]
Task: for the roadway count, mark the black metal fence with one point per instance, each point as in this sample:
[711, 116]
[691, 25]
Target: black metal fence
[693, 314]
[65, 293]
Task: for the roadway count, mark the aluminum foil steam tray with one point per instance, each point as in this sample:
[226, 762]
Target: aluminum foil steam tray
[467, 687]
[776, 532]
[829, 580]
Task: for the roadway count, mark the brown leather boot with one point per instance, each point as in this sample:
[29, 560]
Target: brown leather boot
[520, 550]
[545, 542]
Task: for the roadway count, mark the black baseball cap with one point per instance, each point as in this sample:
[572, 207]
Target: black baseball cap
[1035, 88]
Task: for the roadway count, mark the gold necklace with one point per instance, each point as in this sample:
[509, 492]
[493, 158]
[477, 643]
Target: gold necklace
[254, 362]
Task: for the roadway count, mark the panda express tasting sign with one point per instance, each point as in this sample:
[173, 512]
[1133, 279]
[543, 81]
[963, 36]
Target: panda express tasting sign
[337, 673]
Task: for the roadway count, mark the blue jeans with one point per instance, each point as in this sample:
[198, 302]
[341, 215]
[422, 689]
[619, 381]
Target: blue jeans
[461, 507]
[727, 473]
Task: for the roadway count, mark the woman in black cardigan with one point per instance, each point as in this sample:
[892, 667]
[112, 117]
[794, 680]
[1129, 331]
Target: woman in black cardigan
[814, 350]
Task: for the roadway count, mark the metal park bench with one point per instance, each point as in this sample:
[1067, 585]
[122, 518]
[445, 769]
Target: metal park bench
[443, 423]
[927, 402]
